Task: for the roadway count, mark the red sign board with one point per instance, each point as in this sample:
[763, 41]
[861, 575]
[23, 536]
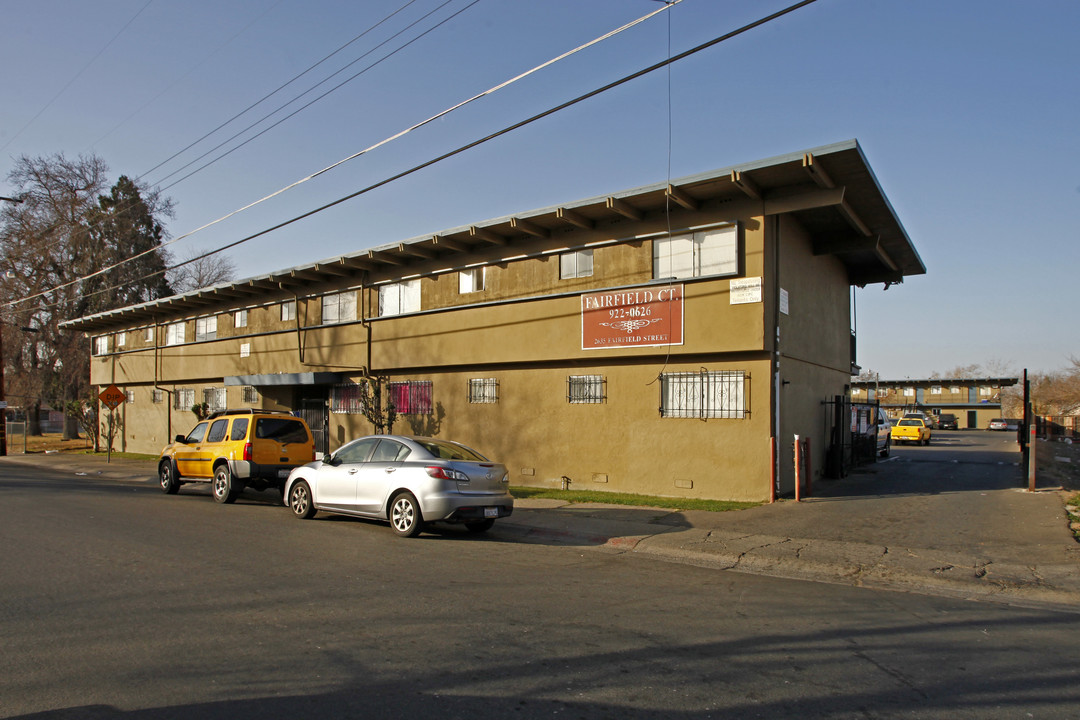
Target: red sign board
[640, 317]
[112, 396]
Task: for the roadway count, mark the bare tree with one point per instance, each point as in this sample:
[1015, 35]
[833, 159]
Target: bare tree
[193, 271]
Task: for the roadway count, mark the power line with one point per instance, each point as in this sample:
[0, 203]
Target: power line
[77, 75]
[440, 158]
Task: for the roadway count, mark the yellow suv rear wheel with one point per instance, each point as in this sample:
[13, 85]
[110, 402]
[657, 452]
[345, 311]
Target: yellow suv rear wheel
[224, 485]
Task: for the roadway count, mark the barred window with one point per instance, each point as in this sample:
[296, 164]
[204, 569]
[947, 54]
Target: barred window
[483, 390]
[585, 389]
[158, 396]
[214, 398]
[184, 399]
[249, 395]
[129, 397]
[411, 397]
[347, 398]
[703, 394]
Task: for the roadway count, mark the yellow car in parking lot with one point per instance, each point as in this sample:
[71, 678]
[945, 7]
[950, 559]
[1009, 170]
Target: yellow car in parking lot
[909, 429]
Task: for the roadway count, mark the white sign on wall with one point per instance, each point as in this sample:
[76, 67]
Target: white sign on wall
[784, 306]
[745, 290]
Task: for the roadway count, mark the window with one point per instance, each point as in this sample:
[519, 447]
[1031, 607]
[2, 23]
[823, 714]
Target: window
[339, 308]
[285, 430]
[217, 431]
[954, 389]
[575, 264]
[288, 310]
[398, 298]
[935, 389]
[909, 392]
[101, 345]
[483, 390]
[149, 335]
[183, 399]
[249, 395]
[985, 391]
[240, 318]
[239, 428]
[358, 451]
[347, 398]
[121, 339]
[129, 397]
[157, 395]
[174, 334]
[214, 398]
[710, 252]
[410, 397]
[390, 451]
[205, 328]
[585, 389]
[703, 394]
[471, 280]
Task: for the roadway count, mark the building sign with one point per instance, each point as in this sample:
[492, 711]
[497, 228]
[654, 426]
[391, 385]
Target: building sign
[745, 290]
[642, 317]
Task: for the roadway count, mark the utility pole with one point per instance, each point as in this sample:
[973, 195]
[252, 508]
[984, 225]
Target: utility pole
[3, 401]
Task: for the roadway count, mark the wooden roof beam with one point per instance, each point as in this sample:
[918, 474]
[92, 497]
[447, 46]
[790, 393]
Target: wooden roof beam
[853, 219]
[486, 235]
[386, 258]
[624, 208]
[575, 219]
[530, 228]
[442, 242]
[744, 183]
[417, 251]
[681, 197]
[816, 172]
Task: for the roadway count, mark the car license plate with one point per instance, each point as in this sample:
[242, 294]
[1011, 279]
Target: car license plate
[491, 512]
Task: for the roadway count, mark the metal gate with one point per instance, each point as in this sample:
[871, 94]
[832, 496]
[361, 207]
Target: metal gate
[317, 416]
[852, 432]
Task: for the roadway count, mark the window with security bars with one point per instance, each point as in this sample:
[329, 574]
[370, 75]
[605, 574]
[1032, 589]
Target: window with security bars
[703, 394]
[585, 389]
[158, 396]
[410, 397]
[214, 398]
[483, 390]
[183, 399]
[347, 399]
[249, 395]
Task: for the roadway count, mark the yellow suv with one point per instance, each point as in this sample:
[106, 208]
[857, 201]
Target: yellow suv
[234, 449]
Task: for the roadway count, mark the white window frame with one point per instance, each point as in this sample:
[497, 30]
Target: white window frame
[576, 264]
[174, 334]
[157, 396]
[121, 339]
[704, 394]
[707, 252]
[101, 345]
[206, 328]
[471, 280]
[240, 318]
[288, 310]
[339, 308]
[399, 298]
[149, 334]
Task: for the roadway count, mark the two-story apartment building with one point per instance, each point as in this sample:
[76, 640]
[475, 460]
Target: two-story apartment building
[670, 339]
[974, 401]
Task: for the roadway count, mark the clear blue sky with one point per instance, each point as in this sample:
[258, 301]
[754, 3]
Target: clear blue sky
[968, 111]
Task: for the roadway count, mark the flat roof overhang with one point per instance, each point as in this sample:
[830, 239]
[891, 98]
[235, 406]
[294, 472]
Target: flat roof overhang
[830, 190]
[279, 379]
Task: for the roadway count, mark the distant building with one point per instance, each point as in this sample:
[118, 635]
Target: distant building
[670, 340]
[974, 401]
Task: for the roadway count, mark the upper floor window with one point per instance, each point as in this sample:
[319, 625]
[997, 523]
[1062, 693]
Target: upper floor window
[471, 280]
[288, 310]
[174, 334]
[576, 264]
[101, 345]
[149, 334]
[935, 389]
[400, 297]
[338, 308]
[709, 252]
[121, 339]
[240, 318]
[205, 328]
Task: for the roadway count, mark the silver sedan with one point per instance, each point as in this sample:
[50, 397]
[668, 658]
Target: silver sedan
[405, 480]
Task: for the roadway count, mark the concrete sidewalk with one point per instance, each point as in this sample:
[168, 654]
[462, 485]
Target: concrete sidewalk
[1026, 555]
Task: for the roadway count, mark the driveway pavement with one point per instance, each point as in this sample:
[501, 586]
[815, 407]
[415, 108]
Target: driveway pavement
[974, 534]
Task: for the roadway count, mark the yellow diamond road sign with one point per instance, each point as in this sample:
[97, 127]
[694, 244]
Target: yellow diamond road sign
[112, 396]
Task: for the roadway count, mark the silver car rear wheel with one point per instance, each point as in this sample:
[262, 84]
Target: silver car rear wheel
[300, 500]
[405, 515]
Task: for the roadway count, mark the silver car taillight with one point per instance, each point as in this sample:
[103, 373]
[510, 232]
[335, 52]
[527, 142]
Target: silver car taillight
[443, 473]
